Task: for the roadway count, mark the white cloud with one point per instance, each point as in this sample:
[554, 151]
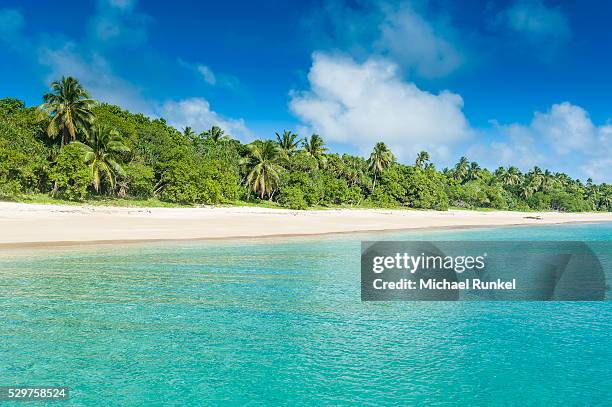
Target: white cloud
[207, 74]
[362, 104]
[598, 169]
[517, 147]
[563, 139]
[535, 20]
[421, 42]
[411, 41]
[196, 112]
[567, 127]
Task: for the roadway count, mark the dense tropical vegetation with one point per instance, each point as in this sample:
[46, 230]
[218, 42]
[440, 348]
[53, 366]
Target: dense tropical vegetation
[74, 148]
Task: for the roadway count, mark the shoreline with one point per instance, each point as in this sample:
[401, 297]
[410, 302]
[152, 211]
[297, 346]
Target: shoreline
[48, 225]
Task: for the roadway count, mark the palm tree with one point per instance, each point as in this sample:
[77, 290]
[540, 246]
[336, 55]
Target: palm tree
[509, 177]
[288, 143]
[102, 151]
[264, 168]
[380, 159]
[216, 134]
[461, 169]
[353, 169]
[189, 133]
[533, 182]
[422, 159]
[69, 105]
[315, 147]
[473, 171]
[548, 181]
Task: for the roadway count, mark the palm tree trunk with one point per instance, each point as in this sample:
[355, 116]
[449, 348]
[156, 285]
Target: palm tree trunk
[374, 182]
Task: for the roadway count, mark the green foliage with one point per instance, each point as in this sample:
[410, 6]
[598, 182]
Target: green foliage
[293, 198]
[218, 183]
[137, 181]
[425, 189]
[102, 152]
[23, 156]
[565, 202]
[70, 109]
[189, 181]
[138, 157]
[265, 171]
[70, 174]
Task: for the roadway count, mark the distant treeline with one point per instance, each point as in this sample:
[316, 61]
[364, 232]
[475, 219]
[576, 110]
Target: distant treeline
[73, 148]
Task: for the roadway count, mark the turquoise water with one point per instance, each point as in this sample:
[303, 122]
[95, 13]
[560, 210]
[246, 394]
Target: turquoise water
[281, 323]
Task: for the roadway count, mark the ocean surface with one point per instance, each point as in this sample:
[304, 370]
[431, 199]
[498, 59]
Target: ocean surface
[280, 322]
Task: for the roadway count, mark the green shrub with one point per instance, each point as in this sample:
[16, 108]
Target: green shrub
[70, 174]
[138, 180]
[565, 202]
[425, 189]
[293, 197]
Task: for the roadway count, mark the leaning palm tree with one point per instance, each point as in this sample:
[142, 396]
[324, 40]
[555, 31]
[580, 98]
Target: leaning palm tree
[70, 107]
[264, 168]
[380, 159]
[288, 143]
[422, 159]
[102, 150]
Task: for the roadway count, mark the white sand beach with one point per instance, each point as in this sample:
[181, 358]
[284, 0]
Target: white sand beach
[36, 224]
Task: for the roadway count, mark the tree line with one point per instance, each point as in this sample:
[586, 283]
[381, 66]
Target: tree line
[74, 148]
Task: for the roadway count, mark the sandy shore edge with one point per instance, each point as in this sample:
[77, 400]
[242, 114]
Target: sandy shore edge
[38, 225]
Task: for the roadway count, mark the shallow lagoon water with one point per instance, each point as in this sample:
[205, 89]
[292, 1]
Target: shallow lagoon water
[280, 322]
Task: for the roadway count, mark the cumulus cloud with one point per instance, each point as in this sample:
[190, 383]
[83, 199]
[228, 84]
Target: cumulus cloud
[566, 127]
[515, 146]
[363, 103]
[421, 43]
[564, 138]
[535, 21]
[413, 41]
[196, 113]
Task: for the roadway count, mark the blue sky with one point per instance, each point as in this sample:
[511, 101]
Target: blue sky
[521, 82]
